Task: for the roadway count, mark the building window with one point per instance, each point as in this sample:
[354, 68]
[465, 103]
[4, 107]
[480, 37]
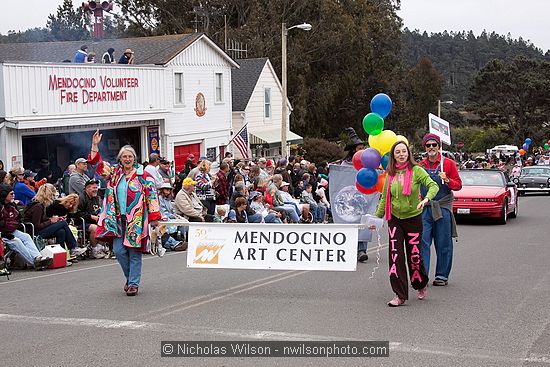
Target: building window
[267, 103]
[178, 88]
[219, 87]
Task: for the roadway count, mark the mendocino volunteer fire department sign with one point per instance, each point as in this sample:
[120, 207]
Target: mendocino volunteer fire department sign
[273, 246]
[86, 90]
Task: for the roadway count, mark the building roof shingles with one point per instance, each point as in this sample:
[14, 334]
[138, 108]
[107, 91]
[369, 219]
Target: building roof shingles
[244, 79]
[157, 50]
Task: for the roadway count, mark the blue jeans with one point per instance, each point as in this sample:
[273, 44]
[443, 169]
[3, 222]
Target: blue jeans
[24, 246]
[62, 233]
[362, 246]
[440, 232]
[290, 210]
[128, 258]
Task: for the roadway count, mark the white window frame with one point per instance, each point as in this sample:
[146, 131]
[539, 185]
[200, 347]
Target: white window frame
[220, 88]
[176, 102]
[267, 103]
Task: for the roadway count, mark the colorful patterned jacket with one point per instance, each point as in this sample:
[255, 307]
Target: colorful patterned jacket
[142, 205]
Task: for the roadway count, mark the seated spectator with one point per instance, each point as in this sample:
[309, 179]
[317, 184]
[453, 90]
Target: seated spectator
[16, 179]
[319, 212]
[78, 177]
[89, 207]
[18, 241]
[302, 208]
[260, 212]
[167, 212]
[109, 57]
[81, 55]
[28, 177]
[239, 213]
[54, 227]
[278, 203]
[188, 205]
[63, 207]
[127, 57]
[221, 214]
[66, 177]
[90, 59]
[238, 191]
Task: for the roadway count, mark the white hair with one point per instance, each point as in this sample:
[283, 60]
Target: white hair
[126, 148]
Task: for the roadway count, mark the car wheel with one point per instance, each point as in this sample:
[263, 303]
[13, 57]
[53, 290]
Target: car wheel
[514, 214]
[504, 215]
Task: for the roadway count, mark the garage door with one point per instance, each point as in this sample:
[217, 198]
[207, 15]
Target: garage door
[182, 151]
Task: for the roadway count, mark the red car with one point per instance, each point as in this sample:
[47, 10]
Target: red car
[486, 193]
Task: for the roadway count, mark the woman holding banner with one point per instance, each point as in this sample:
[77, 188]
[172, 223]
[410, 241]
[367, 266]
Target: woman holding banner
[401, 206]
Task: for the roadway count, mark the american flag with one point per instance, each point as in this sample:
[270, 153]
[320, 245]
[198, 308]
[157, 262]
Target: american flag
[241, 142]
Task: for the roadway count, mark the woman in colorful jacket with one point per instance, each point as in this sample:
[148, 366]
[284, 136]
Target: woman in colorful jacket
[130, 206]
[401, 205]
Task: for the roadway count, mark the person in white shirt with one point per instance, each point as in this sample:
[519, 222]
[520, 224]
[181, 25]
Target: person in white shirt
[152, 169]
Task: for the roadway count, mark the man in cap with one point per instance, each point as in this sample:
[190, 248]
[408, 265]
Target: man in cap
[188, 204]
[189, 165]
[437, 217]
[89, 206]
[28, 178]
[165, 171]
[127, 57]
[78, 179]
[44, 171]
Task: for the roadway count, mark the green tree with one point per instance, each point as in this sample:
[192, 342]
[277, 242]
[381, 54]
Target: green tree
[69, 24]
[514, 96]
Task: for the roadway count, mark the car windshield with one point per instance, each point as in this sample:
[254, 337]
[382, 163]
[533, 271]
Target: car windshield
[535, 171]
[482, 178]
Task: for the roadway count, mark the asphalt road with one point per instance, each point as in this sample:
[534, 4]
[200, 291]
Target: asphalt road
[494, 312]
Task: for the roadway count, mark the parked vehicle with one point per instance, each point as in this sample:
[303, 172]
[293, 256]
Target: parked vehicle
[533, 179]
[486, 193]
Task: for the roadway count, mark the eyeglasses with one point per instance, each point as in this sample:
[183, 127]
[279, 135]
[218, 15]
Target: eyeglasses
[432, 145]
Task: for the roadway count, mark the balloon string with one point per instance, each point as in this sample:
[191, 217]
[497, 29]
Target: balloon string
[377, 254]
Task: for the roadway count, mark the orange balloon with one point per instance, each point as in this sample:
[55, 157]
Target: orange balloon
[380, 184]
[521, 152]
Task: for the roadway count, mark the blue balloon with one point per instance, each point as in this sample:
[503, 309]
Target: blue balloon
[528, 141]
[367, 177]
[385, 160]
[381, 104]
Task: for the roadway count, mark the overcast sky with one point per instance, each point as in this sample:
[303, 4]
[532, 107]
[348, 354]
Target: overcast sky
[525, 18]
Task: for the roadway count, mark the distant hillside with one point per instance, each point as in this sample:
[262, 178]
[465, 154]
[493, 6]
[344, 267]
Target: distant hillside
[459, 56]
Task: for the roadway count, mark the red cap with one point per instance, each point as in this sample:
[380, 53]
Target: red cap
[191, 156]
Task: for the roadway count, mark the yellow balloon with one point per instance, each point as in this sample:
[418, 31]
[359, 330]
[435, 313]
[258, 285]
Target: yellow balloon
[403, 139]
[383, 141]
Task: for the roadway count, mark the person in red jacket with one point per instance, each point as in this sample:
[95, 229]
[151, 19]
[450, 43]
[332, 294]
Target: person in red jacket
[16, 240]
[437, 218]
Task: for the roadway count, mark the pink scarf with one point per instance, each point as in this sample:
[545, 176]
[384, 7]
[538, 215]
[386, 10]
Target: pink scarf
[406, 186]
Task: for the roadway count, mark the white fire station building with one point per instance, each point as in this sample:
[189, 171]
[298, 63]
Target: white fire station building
[175, 100]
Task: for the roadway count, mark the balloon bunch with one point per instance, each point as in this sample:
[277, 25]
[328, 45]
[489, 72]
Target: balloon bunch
[367, 161]
[525, 147]
[547, 145]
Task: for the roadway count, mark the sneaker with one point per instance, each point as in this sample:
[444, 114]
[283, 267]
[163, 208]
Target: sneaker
[362, 256]
[440, 282]
[422, 293]
[182, 246]
[78, 251]
[396, 302]
[98, 254]
[4, 272]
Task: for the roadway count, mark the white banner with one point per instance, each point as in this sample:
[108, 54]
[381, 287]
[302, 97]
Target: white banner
[440, 127]
[273, 246]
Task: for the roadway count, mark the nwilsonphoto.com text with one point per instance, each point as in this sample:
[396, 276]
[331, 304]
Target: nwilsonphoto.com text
[275, 349]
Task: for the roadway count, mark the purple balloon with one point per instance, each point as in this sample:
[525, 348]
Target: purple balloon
[371, 158]
[525, 146]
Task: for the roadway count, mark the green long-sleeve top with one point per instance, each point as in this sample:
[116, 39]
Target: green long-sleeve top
[402, 206]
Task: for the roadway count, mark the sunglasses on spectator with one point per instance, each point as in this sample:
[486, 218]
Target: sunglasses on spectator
[432, 145]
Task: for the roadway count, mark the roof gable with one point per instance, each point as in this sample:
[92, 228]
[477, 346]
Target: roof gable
[244, 80]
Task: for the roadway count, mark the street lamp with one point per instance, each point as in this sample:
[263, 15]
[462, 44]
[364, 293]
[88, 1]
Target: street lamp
[284, 31]
[439, 102]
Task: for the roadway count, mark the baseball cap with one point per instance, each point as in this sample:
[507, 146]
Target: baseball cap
[29, 173]
[164, 161]
[284, 183]
[80, 160]
[91, 182]
[166, 185]
[189, 181]
[191, 156]
[263, 160]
